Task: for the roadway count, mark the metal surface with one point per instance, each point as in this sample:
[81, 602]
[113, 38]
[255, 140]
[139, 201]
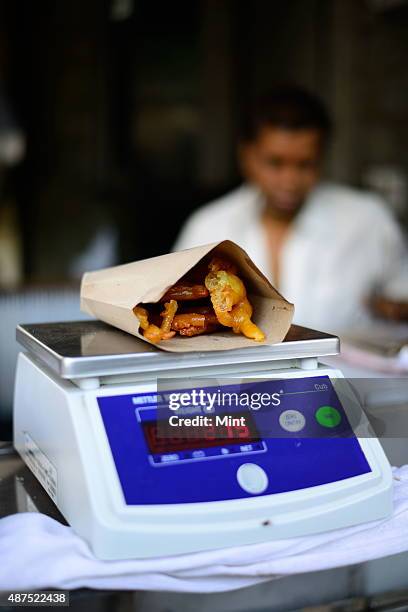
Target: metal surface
[80, 349]
[20, 491]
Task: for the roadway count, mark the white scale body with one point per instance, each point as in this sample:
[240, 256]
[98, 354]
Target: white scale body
[83, 390]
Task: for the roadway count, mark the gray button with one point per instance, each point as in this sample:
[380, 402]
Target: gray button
[252, 478]
[292, 420]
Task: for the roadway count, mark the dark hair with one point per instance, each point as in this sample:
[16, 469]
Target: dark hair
[287, 107]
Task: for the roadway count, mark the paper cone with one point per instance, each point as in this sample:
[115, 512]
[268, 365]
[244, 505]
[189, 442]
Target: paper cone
[111, 294]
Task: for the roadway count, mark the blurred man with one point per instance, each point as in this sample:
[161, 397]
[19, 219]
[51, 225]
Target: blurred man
[328, 248]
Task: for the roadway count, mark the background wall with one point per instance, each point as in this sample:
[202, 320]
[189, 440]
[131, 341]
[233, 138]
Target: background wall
[131, 109]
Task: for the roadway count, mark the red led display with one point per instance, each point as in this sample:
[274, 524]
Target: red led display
[163, 438]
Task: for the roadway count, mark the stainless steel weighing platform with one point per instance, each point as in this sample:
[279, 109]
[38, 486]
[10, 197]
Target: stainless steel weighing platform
[86, 349]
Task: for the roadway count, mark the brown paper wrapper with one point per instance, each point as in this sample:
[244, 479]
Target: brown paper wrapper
[111, 294]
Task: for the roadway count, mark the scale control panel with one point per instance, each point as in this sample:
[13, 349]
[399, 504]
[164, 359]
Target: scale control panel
[302, 440]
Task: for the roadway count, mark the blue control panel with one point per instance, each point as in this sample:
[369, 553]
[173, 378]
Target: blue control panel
[302, 440]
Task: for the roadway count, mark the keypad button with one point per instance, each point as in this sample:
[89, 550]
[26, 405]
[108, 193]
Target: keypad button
[252, 478]
[292, 421]
[327, 416]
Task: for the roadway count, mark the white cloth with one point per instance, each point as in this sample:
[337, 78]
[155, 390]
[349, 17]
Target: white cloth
[343, 245]
[37, 552]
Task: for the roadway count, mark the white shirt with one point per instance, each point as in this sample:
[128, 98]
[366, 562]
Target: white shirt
[343, 245]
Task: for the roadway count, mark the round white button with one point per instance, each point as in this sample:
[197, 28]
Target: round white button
[252, 478]
[292, 420]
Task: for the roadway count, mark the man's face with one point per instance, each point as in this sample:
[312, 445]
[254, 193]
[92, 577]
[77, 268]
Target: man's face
[285, 165]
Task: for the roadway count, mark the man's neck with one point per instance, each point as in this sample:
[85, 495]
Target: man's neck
[277, 228]
[272, 216]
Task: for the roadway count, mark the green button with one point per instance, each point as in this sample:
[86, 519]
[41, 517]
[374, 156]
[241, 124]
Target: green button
[327, 416]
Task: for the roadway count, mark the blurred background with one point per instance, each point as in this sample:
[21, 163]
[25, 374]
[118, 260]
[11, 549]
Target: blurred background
[118, 117]
[130, 111]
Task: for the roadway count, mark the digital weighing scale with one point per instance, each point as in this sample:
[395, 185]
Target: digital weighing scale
[86, 397]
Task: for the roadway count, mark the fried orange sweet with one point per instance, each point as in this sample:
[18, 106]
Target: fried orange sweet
[227, 305]
[231, 305]
[152, 332]
[185, 291]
